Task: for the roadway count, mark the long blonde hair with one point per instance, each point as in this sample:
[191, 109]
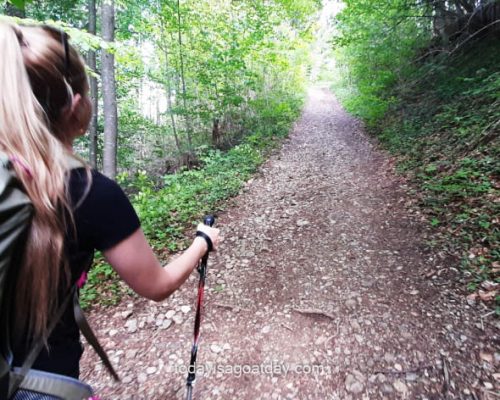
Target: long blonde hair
[39, 74]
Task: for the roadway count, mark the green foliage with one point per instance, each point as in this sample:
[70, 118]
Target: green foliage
[214, 60]
[373, 45]
[61, 10]
[187, 195]
[438, 115]
[102, 285]
[18, 3]
[463, 199]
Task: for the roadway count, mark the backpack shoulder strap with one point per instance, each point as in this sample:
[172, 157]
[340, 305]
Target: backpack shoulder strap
[91, 337]
[74, 162]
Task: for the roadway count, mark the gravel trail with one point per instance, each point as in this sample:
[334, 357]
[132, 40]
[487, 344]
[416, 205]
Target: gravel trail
[322, 289]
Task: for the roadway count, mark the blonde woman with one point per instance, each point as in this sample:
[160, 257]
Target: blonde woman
[44, 106]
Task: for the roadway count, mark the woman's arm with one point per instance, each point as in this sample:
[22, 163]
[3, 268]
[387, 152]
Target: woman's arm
[134, 260]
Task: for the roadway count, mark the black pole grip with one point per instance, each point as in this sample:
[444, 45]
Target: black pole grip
[209, 220]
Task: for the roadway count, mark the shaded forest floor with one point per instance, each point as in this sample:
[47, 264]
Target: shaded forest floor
[322, 289]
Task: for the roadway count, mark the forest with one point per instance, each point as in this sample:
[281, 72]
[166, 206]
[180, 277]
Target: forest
[190, 96]
[350, 151]
[178, 85]
[425, 78]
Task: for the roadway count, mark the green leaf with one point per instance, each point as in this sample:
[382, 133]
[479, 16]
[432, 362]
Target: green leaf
[434, 222]
[19, 3]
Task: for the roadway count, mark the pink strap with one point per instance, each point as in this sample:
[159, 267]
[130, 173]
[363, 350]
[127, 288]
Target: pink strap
[22, 164]
[81, 281]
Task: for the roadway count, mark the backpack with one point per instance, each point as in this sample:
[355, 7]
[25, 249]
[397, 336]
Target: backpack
[24, 383]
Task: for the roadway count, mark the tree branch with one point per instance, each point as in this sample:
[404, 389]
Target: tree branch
[474, 34]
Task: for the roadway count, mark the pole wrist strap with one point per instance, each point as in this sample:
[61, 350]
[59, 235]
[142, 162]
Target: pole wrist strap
[207, 239]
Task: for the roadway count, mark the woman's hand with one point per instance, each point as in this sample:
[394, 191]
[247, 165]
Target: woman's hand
[213, 234]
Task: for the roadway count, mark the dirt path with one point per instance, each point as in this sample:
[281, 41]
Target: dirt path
[321, 290]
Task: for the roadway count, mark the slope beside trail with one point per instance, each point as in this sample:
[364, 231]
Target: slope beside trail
[321, 289]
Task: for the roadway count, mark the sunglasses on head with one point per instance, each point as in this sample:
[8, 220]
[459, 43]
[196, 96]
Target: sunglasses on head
[63, 37]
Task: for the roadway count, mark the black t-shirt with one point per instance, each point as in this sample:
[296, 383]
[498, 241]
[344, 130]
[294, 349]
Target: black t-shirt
[102, 219]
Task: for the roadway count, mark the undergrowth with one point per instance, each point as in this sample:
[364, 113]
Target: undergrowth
[169, 212]
[445, 128]
[442, 123]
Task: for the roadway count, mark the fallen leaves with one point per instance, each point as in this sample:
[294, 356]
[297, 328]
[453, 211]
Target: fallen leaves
[488, 292]
[482, 295]
[489, 285]
[486, 357]
[487, 296]
[495, 267]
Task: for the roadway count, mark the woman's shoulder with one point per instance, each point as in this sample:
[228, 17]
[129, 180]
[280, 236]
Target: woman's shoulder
[93, 187]
[102, 211]
[81, 175]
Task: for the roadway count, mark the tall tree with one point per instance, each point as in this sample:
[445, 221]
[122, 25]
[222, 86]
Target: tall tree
[91, 61]
[183, 78]
[168, 88]
[109, 91]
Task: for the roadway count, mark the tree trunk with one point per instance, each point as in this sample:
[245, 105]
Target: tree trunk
[469, 7]
[216, 133]
[184, 94]
[109, 92]
[458, 7]
[169, 92]
[91, 61]
[440, 21]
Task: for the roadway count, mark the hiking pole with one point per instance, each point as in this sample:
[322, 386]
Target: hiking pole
[202, 270]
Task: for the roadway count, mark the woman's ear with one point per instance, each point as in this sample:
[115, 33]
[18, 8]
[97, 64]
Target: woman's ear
[76, 103]
[80, 113]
